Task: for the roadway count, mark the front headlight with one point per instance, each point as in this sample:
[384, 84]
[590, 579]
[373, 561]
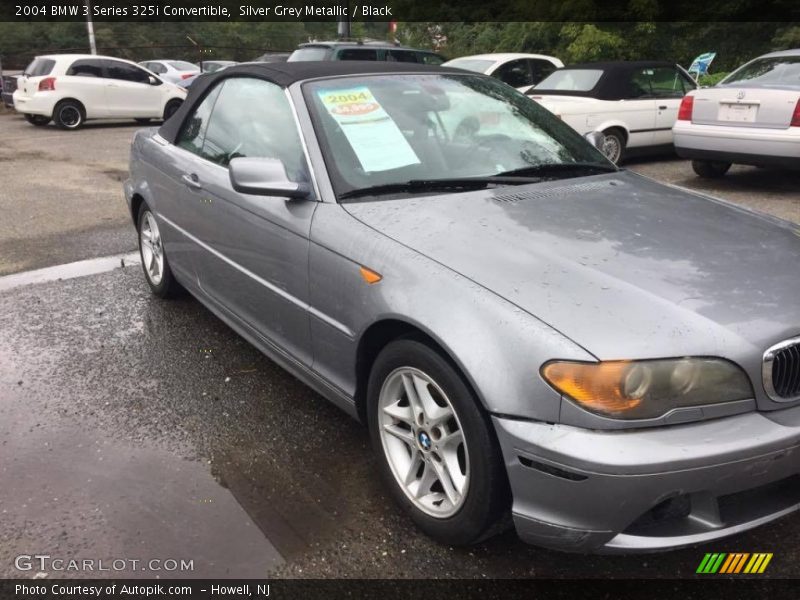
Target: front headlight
[650, 388]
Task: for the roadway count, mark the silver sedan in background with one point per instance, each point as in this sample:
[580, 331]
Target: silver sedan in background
[525, 329]
[751, 117]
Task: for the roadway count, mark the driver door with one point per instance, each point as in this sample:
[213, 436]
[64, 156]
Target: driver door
[638, 109]
[253, 260]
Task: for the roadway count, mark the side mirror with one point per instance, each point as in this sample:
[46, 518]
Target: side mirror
[264, 177]
[596, 139]
[153, 80]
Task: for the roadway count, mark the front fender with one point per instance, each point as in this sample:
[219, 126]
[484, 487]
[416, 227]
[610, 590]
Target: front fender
[499, 347]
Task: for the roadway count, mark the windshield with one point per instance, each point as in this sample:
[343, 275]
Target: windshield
[783, 71]
[470, 64]
[310, 53]
[182, 65]
[573, 80]
[389, 129]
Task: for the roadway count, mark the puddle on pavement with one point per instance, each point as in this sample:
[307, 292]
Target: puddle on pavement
[80, 268]
[293, 517]
[80, 493]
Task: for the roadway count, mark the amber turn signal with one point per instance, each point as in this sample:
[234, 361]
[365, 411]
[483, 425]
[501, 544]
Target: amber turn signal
[369, 275]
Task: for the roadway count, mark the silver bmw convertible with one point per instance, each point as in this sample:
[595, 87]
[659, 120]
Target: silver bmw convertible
[531, 335]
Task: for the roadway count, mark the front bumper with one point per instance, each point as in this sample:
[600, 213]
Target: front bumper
[740, 145]
[650, 489]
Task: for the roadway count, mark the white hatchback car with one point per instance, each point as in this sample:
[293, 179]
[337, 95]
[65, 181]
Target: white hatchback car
[751, 117]
[72, 88]
[521, 71]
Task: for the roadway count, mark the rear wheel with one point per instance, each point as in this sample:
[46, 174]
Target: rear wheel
[171, 107]
[437, 451]
[69, 114]
[710, 169]
[38, 120]
[154, 260]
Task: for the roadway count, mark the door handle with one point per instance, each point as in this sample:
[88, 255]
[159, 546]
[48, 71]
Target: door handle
[664, 107]
[192, 181]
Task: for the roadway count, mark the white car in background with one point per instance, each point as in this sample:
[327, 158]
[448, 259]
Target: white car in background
[172, 71]
[751, 117]
[212, 66]
[73, 88]
[521, 71]
[633, 103]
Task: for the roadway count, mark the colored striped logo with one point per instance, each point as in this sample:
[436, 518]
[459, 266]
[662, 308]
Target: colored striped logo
[734, 562]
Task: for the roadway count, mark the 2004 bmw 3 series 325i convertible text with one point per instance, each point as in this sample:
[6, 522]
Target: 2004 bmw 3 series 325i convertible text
[524, 328]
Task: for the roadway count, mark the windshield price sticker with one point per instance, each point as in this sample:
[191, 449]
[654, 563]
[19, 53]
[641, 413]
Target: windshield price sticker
[375, 138]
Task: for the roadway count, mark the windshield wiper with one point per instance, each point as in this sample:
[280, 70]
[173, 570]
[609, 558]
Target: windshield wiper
[559, 169]
[416, 186]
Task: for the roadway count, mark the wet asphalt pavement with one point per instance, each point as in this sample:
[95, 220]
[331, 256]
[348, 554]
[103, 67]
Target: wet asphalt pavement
[140, 429]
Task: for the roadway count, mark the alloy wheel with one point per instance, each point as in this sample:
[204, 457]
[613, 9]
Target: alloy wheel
[70, 116]
[152, 249]
[423, 441]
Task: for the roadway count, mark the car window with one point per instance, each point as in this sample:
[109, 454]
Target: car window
[667, 82]
[87, 67]
[358, 54]
[639, 84]
[539, 69]
[310, 53]
[157, 68]
[777, 71]
[252, 117]
[401, 56]
[573, 80]
[515, 73]
[429, 58]
[125, 72]
[193, 131]
[40, 67]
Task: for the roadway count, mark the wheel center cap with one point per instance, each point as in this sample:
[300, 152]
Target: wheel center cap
[424, 440]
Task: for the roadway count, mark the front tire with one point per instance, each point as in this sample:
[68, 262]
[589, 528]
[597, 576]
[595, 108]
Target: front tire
[710, 169]
[614, 145]
[38, 120]
[438, 454]
[69, 114]
[155, 265]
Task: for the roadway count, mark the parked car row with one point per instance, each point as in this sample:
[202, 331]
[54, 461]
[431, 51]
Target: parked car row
[751, 117]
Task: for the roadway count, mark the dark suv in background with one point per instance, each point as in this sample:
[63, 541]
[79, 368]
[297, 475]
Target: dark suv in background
[364, 51]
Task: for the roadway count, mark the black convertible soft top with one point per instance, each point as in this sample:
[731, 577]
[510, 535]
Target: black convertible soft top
[614, 83]
[287, 73]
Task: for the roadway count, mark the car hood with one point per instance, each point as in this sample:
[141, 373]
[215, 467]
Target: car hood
[622, 265]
